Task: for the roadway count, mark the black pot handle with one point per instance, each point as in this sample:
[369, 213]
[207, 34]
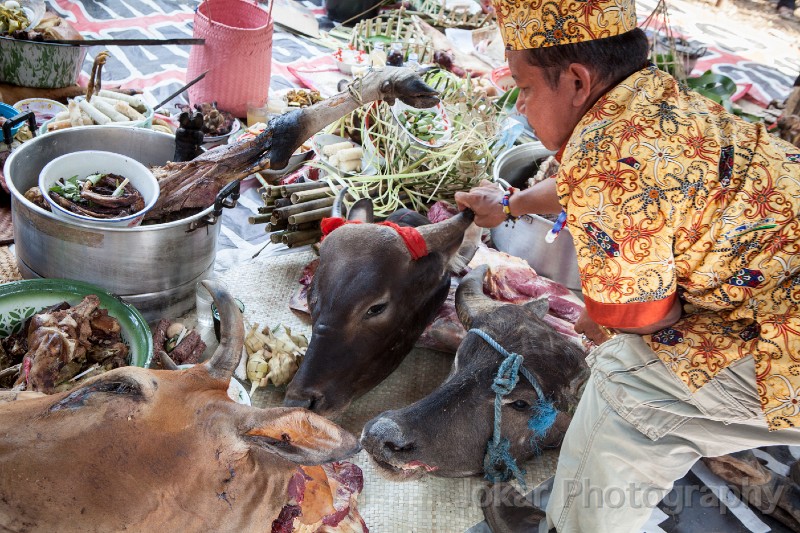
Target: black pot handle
[18, 119]
[227, 197]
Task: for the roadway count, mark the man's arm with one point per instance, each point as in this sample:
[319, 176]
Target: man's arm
[486, 201]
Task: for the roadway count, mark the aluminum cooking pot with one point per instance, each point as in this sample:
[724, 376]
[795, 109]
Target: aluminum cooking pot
[558, 260]
[153, 267]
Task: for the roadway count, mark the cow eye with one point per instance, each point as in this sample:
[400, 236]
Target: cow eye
[375, 310]
[520, 405]
[118, 387]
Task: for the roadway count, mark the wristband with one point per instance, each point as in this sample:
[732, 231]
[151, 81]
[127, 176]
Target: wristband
[506, 204]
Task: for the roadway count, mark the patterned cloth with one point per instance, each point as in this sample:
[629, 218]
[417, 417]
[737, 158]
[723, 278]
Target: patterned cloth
[669, 196]
[528, 24]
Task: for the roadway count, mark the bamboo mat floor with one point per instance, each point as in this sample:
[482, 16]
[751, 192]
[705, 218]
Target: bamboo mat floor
[428, 505]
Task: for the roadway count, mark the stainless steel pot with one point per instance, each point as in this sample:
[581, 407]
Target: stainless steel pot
[154, 267]
[525, 239]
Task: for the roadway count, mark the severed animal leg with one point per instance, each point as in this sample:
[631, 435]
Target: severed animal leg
[194, 184]
[769, 492]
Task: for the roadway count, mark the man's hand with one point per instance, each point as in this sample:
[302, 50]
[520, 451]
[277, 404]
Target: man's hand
[593, 333]
[486, 202]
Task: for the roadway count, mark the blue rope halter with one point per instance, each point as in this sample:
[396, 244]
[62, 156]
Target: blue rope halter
[498, 464]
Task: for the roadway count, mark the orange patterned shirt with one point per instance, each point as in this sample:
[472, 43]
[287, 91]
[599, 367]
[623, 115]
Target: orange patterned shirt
[670, 196]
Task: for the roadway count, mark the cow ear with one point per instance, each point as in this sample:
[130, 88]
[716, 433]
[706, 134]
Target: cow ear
[538, 307]
[302, 437]
[361, 211]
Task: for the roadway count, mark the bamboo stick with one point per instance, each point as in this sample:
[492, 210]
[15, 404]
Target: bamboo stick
[267, 209]
[287, 190]
[303, 227]
[259, 219]
[281, 225]
[294, 237]
[276, 237]
[312, 194]
[303, 243]
[274, 219]
[285, 212]
[310, 216]
[282, 202]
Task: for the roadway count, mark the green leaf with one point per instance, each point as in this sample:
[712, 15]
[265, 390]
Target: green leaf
[508, 100]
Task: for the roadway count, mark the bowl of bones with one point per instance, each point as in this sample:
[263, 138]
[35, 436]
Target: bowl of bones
[98, 188]
[107, 108]
[87, 331]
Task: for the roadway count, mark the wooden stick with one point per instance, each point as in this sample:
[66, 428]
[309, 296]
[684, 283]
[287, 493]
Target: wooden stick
[276, 237]
[125, 42]
[266, 210]
[282, 202]
[285, 212]
[294, 237]
[310, 216]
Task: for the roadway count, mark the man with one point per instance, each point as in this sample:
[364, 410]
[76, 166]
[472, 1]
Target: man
[685, 222]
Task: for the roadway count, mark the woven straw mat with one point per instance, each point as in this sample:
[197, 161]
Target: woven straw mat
[8, 266]
[427, 505]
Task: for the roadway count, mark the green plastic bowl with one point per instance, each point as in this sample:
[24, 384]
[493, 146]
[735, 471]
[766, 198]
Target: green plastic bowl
[20, 300]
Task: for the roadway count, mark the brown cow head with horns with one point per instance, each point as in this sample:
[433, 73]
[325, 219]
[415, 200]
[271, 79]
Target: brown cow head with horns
[145, 450]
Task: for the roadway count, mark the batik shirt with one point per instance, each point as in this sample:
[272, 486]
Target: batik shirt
[669, 196]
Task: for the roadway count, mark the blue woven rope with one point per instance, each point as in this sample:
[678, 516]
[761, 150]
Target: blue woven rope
[499, 464]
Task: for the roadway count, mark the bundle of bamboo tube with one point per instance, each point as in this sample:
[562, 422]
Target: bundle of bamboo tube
[292, 213]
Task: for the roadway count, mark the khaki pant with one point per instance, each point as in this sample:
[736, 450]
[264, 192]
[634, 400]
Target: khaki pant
[638, 428]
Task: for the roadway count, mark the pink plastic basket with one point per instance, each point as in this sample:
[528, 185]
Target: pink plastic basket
[237, 54]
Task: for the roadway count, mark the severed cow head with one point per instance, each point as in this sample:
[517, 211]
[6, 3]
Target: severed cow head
[146, 449]
[446, 433]
[370, 301]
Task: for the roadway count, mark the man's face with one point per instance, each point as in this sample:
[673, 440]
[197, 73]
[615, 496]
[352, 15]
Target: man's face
[549, 111]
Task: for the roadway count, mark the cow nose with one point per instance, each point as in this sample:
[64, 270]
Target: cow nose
[307, 400]
[385, 438]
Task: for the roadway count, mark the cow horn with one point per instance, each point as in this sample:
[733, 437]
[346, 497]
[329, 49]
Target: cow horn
[338, 203]
[471, 302]
[166, 361]
[226, 356]
[445, 236]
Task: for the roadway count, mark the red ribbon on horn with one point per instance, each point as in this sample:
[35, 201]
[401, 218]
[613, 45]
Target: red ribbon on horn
[412, 238]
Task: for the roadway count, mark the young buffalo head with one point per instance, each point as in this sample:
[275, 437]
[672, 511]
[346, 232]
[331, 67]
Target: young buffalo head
[446, 433]
[370, 300]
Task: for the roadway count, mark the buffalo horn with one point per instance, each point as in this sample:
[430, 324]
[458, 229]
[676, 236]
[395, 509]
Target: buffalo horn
[166, 361]
[338, 203]
[471, 302]
[226, 356]
[445, 236]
